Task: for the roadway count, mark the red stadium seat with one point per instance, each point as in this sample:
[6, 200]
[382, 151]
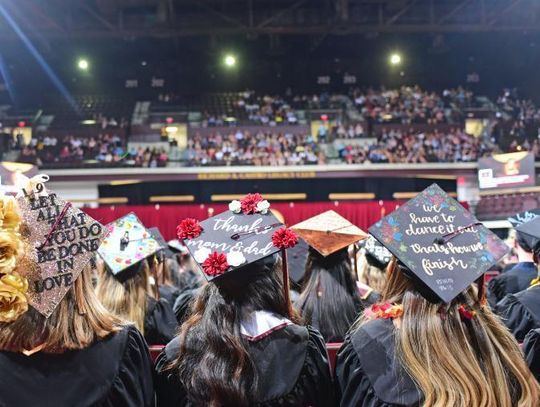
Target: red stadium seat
[332, 349]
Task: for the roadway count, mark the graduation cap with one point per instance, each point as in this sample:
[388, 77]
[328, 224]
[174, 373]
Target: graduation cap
[64, 240]
[229, 241]
[127, 243]
[164, 246]
[328, 232]
[523, 217]
[177, 246]
[296, 258]
[444, 246]
[376, 252]
[531, 231]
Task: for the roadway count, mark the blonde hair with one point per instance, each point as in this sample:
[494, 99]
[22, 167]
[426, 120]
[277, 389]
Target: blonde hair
[372, 276]
[474, 362]
[78, 321]
[126, 299]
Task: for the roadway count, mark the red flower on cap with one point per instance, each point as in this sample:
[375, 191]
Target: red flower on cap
[249, 203]
[284, 238]
[188, 228]
[215, 264]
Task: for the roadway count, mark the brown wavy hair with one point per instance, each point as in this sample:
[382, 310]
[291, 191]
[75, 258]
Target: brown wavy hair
[455, 362]
[213, 364]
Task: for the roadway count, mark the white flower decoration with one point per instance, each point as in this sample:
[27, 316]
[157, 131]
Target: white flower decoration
[201, 254]
[235, 206]
[263, 207]
[235, 258]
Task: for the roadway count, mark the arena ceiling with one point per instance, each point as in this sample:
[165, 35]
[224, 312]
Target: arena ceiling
[103, 19]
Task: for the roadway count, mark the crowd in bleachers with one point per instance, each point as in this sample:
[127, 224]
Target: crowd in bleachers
[518, 119]
[395, 146]
[104, 150]
[261, 148]
[408, 105]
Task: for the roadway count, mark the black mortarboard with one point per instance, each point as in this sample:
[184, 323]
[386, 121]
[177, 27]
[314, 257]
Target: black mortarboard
[443, 245]
[296, 257]
[156, 234]
[328, 232]
[531, 231]
[127, 243]
[522, 217]
[376, 252]
[231, 240]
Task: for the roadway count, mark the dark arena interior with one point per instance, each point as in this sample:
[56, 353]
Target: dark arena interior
[269, 202]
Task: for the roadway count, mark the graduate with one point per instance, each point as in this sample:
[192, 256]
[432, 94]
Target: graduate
[520, 312]
[162, 270]
[531, 349]
[520, 275]
[329, 300]
[128, 288]
[373, 268]
[242, 345]
[58, 345]
[433, 341]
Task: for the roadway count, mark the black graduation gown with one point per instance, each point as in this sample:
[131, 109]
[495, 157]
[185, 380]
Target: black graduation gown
[521, 312]
[369, 374]
[159, 322]
[115, 372]
[292, 364]
[511, 282]
[182, 305]
[531, 349]
[169, 292]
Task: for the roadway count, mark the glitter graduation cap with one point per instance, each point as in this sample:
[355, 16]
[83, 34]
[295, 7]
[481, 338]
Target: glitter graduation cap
[531, 231]
[64, 240]
[127, 243]
[443, 245]
[328, 232]
[244, 234]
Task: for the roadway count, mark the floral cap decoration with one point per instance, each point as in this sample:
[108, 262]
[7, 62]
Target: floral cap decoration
[440, 243]
[247, 232]
[13, 287]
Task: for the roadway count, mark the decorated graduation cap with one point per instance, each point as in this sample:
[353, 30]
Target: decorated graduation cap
[523, 217]
[244, 234]
[127, 243]
[63, 238]
[163, 245]
[531, 231]
[328, 232]
[444, 246]
[376, 252]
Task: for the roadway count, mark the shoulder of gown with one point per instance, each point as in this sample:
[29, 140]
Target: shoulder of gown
[160, 322]
[496, 290]
[182, 305]
[133, 385]
[293, 367]
[368, 374]
[531, 349]
[515, 315]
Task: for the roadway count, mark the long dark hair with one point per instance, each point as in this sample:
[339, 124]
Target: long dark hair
[329, 300]
[213, 364]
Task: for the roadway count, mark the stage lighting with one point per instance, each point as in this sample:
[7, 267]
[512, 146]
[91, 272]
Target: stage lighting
[83, 64]
[230, 61]
[395, 59]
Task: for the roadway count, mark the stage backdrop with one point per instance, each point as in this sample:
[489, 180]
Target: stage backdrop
[166, 217]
